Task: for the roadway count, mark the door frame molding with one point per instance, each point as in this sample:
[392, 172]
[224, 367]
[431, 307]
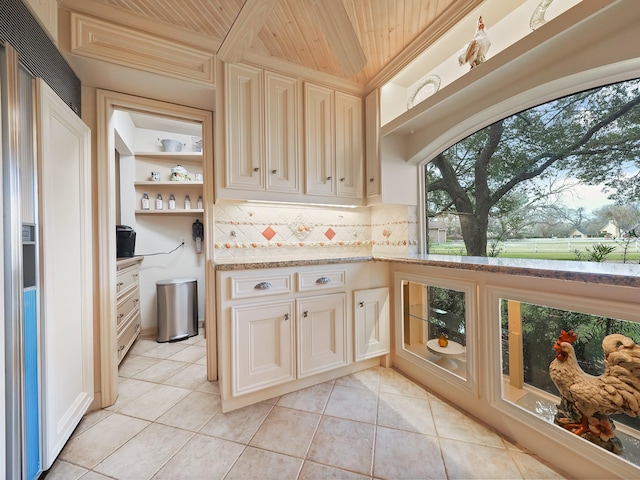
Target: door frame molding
[106, 103]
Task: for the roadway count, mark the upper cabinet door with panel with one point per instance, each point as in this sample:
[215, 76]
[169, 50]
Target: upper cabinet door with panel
[372, 134]
[283, 133]
[349, 145]
[244, 115]
[320, 140]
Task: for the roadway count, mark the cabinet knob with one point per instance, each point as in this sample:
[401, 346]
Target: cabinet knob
[371, 179]
[323, 280]
[136, 300]
[135, 275]
[120, 348]
[262, 286]
[119, 284]
[342, 179]
[286, 316]
[274, 171]
[305, 314]
[328, 178]
[120, 316]
[361, 304]
[256, 169]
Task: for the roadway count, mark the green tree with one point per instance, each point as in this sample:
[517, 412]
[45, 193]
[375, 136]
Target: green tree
[593, 136]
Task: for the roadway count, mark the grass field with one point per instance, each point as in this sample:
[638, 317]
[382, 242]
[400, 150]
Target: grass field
[549, 248]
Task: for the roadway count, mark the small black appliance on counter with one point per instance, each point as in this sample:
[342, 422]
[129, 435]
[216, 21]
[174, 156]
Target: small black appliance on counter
[125, 241]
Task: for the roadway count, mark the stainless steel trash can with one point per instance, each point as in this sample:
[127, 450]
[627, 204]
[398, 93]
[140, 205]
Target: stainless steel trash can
[177, 309]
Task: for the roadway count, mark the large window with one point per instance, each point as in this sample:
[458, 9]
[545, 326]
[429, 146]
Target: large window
[556, 181]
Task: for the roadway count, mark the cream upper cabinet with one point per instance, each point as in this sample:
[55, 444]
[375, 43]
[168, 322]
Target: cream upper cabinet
[334, 143]
[372, 145]
[319, 140]
[283, 133]
[349, 145]
[244, 130]
[263, 132]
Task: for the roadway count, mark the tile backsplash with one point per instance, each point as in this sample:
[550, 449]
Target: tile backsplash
[250, 230]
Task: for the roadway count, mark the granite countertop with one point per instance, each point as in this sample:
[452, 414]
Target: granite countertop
[621, 274]
[288, 261]
[126, 261]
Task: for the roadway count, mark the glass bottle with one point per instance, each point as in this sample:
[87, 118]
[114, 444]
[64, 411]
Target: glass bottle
[159, 202]
[187, 203]
[200, 205]
[172, 202]
[145, 201]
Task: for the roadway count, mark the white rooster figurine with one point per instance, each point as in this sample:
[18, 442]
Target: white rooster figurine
[587, 400]
[474, 52]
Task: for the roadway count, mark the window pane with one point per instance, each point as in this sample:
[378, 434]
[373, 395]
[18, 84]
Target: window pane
[529, 333]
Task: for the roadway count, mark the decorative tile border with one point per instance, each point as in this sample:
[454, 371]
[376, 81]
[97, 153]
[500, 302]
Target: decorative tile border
[252, 230]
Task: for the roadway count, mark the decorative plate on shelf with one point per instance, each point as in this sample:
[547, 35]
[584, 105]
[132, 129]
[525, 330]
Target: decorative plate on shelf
[426, 87]
[537, 18]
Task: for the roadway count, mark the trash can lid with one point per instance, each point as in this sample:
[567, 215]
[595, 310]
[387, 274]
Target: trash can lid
[175, 281]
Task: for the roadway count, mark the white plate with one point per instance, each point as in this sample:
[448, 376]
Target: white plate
[426, 87]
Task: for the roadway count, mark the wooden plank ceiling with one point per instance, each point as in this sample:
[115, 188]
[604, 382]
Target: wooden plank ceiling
[291, 32]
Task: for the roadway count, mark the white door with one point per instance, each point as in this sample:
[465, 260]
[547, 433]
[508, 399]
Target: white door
[64, 176]
[322, 333]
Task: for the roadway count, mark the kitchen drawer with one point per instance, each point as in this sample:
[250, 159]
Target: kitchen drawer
[321, 280]
[128, 335]
[126, 278]
[128, 304]
[261, 285]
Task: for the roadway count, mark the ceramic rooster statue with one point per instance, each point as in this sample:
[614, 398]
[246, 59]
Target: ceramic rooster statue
[475, 51]
[587, 400]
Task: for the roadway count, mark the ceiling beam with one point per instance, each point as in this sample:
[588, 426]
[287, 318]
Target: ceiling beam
[340, 34]
[246, 25]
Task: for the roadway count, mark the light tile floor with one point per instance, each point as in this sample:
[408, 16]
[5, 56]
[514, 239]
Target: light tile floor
[375, 424]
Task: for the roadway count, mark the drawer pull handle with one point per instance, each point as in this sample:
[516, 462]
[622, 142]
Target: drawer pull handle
[323, 280]
[305, 314]
[262, 286]
[286, 316]
[361, 304]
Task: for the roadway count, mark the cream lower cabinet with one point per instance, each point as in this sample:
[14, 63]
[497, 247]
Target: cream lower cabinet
[283, 329]
[128, 304]
[263, 345]
[371, 319]
[322, 333]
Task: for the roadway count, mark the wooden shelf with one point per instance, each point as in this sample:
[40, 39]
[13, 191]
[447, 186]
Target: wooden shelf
[149, 183]
[177, 211]
[171, 156]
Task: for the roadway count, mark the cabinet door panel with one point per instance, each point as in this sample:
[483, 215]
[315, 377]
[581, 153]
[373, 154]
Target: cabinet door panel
[371, 322]
[319, 135]
[282, 125]
[262, 338]
[372, 139]
[349, 146]
[321, 333]
[244, 113]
